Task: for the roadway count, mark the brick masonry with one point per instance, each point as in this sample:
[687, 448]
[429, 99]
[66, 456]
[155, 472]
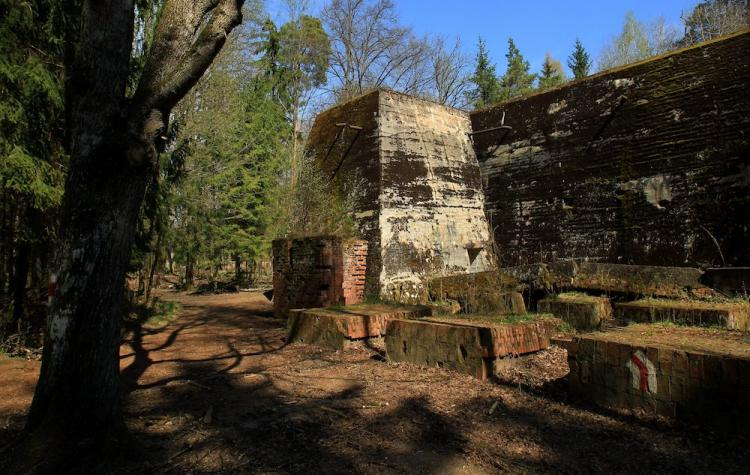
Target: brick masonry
[318, 272]
[690, 386]
[355, 271]
[645, 164]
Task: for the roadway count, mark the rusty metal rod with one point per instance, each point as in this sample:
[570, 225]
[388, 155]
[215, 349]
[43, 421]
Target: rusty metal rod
[492, 129]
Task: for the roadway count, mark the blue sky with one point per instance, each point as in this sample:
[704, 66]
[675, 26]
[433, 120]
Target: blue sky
[537, 27]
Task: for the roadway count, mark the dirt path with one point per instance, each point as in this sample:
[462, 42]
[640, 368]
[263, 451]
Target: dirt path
[218, 391]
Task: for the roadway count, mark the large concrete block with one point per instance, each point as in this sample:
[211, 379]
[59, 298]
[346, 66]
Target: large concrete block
[455, 347]
[645, 164]
[734, 316]
[336, 328]
[583, 312]
[464, 344]
[657, 281]
[683, 373]
[482, 292]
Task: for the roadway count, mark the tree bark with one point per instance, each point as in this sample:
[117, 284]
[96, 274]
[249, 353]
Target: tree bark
[188, 272]
[238, 269]
[170, 260]
[19, 285]
[154, 263]
[75, 420]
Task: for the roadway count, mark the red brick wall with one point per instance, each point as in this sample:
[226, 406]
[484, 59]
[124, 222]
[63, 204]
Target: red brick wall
[355, 269]
[685, 385]
[318, 272]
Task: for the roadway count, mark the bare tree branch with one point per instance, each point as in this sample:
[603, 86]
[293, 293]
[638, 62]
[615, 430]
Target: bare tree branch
[370, 49]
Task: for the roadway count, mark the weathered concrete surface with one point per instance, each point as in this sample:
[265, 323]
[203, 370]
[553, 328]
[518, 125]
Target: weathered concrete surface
[734, 316]
[690, 377]
[646, 164]
[731, 280]
[414, 182]
[432, 206]
[318, 272]
[482, 292]
[657, 281]
[468, 345]
[338, 327]
[455, 347]
[583, 312]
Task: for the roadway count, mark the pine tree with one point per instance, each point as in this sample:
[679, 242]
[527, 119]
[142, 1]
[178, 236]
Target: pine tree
[579, 61]
[32, 155]
[517, 80]
[487, 86]
[552, 73]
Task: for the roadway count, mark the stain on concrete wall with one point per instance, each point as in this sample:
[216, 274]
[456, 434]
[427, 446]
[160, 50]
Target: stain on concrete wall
[414, 180]
[646, 164]
[432, 218]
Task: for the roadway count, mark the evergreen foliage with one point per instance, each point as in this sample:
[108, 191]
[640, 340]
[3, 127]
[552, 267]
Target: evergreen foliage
[517, 80]
[32, 154]
[486, 90]
[579, 61]
[552, 73]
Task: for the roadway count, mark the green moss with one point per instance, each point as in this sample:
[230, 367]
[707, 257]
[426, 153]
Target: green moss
[499, 319]
[579, 297]
[693, 303]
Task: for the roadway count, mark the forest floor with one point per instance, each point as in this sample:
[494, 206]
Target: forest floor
[217, 390]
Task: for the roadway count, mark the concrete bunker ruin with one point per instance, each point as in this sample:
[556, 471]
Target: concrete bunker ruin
[647, 164]
[408, 168]
[634, 182]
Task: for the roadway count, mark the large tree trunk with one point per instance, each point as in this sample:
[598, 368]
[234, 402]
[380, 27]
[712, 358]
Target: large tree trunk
[75, 417]
[77, 397]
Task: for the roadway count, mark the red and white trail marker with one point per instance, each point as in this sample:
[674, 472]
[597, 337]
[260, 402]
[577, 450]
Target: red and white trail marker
[51, 286]
[642, 372]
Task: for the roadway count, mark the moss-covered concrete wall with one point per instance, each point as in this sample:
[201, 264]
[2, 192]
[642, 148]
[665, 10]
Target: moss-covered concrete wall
[648, 164]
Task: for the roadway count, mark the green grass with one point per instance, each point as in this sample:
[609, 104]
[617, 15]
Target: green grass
[579, 297]
[673, 325]
[695, 303]
[162, 313]
[511, 319]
